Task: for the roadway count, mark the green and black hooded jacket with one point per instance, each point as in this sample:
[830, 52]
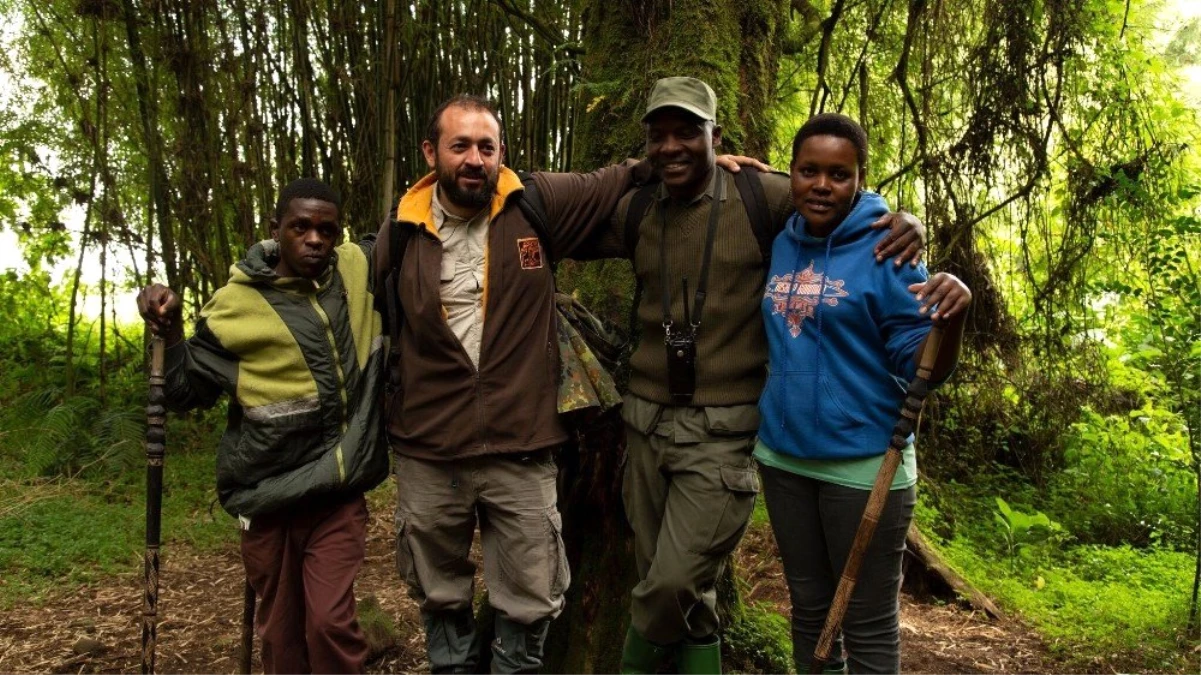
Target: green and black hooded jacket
[302, 362]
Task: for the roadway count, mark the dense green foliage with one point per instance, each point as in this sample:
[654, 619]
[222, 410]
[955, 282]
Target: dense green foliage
[59, 531]
[1096, 606]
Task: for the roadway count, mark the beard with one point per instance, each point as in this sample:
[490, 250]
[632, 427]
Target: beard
[476, 198]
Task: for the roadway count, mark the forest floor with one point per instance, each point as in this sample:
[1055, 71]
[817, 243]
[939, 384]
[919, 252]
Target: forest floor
[95, 628]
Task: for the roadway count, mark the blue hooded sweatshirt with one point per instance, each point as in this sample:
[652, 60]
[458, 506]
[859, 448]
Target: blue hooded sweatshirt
[842, 332]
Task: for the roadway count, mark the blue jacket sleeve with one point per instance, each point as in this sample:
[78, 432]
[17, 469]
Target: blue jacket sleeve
[901, 326]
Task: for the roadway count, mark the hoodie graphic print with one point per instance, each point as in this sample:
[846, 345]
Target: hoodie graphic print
[795, 295]
[842, 332]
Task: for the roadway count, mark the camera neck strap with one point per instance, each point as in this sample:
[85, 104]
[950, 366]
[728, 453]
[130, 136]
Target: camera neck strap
[703, 283]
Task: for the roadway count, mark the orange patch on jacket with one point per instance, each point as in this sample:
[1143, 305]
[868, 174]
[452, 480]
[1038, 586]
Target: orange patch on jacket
[529, 251]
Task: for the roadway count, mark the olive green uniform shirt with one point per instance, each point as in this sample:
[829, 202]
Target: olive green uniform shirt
[731, 343]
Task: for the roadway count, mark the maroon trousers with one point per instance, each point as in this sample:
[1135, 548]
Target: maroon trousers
[302, 566]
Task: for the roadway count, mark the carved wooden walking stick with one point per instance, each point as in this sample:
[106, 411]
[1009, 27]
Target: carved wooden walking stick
[156, 436]
[248, 599]
[915, 396]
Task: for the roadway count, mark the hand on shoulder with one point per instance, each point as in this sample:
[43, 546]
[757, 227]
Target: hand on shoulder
[906, 239]
[734, 163]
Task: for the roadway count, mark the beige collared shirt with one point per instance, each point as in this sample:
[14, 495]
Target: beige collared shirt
[462, 279]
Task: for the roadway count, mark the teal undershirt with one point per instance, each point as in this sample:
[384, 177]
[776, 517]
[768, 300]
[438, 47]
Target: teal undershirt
[852, 473]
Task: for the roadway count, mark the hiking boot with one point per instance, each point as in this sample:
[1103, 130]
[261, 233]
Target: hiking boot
[518, 647]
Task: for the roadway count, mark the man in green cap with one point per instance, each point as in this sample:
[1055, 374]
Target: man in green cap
[699, 242]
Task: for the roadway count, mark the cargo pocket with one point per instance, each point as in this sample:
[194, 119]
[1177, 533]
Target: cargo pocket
[559, 571]
[640, 414]
[405, 564]
[734, 420]
[741, 485]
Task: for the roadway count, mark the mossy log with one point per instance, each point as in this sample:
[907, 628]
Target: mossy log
[934, 576]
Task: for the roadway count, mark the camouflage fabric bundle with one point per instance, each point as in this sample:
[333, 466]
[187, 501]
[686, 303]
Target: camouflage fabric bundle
[588, 348]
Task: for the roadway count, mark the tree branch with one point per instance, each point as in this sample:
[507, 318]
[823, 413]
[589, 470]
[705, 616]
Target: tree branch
[551, 36]
[823, 55]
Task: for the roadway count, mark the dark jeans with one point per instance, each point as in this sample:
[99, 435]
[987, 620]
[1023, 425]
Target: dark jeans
[814, 523]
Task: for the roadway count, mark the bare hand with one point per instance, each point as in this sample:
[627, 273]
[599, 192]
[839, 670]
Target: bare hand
[734, 163]
[906, 239]
[944, 293]
[163, 312]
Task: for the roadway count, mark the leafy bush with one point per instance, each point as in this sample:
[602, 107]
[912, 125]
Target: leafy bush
[55, 435]
[1013, 416]
[64, 531]
[1128, 480]
[758, 640]
[1026, 535]
[1098, 606]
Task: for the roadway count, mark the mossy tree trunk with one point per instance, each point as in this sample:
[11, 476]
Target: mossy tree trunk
[732, 45]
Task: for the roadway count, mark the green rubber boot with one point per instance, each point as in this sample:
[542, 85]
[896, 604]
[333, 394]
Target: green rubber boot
[700, 659]
[640, 655]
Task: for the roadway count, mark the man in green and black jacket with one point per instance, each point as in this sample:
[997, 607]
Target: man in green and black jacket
[295, 342]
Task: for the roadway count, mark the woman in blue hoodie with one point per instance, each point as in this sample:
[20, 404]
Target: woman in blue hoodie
[844, 336]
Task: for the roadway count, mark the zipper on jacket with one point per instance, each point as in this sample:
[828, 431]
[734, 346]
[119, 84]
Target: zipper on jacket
[479, 409]
[475, 371]
[337, 358]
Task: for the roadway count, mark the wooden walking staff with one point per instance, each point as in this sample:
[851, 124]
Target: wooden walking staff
[156, 436]
[915, 396]
[247, 653]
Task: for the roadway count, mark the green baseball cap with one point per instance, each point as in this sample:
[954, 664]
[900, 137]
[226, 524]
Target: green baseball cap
[687, 93]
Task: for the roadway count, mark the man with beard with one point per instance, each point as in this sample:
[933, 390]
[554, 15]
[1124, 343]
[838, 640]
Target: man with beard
[471, 414]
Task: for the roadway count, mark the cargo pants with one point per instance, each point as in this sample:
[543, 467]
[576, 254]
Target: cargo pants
[514, 501]
[689, 487]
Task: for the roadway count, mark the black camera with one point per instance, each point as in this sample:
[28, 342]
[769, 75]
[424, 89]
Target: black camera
[681, 365]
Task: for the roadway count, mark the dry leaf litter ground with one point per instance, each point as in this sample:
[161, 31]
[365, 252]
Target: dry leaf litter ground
[95, 629]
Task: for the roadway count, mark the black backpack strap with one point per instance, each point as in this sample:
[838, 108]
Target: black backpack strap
[750, 187]
[398, 242]
[639, 204]
[530, 203]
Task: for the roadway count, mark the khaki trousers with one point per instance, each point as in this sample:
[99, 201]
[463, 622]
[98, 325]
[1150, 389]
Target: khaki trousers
[302, 566]
[689, 488]
[514, 501]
